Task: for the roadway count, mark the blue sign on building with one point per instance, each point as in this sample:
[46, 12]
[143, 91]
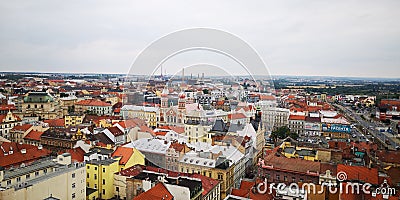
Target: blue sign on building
[340, 128]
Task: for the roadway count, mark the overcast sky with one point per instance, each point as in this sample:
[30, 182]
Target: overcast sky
[335, 38]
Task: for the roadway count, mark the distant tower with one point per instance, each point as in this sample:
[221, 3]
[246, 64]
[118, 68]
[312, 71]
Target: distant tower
[164, 99]
[164, 104]
[182, 101]
[181, 107]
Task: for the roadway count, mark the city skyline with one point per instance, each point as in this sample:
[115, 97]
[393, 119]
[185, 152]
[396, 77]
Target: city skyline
[311, 39]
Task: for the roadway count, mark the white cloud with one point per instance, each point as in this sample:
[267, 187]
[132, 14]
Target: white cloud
[308, 37]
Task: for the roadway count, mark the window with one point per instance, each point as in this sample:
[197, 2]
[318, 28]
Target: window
[73, 185]
[277, 177]
[104, 181]
[220, 176]
[88, 167]
[18, 179]
[8, 182]
[73, 195]
[284, 178]
[301, 180]
[88, 175]
[95, 176]
[28, 176]
[45, 170]
[95, 168]
[104, 170]
[95, 186]
[293, 179]
[73, 175]
[117, 189]
[104, 191]
[36, 173]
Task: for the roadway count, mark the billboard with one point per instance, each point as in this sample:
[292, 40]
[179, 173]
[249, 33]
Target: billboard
[340, 128]
[312, 126]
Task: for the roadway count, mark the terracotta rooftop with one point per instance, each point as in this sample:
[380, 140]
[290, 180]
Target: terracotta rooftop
[124, 152]
[159, 191]
[55, 122]
[92, 102]
[34, 135]
[388, 156]
[145, 128]
[8, 107]
[297, 117]
[115, 131]
[77, 154]
[368, 175]
[17, 157]
[23, 127]
[236, 116]
[296, 165]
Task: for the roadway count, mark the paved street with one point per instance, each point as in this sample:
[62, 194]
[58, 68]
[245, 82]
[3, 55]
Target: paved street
[370, 128]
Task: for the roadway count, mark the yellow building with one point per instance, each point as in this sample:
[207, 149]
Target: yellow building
[290, 151]
[213, 168]
[7, 123]
[42, 105]
[197, 132]
[100, 176]
[63, 179]
[148, 114]
[128, 157]
[73, 119]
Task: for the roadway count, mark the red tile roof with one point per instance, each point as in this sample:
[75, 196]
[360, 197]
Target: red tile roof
[159, 191]
[292, 164]
[115, 131]
[177, 129]
[297, 117]
[55, 122]
[177, 146]
[77, 154]
[267, 97]
[206, 182]
[17, 158]
[92, 102]
[10, 107]
[388, 156]
[161, 133]
[369, 175]
[236, 116]
[34, 135]
[124, 152]
[145, 128]
[23, 127]
[246, 191]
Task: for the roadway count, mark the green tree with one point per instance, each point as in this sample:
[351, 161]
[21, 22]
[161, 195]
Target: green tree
[281, 133]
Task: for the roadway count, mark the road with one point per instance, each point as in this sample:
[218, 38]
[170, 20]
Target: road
[369, 127]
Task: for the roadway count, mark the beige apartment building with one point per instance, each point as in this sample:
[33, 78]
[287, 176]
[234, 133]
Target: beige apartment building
[59, 179]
